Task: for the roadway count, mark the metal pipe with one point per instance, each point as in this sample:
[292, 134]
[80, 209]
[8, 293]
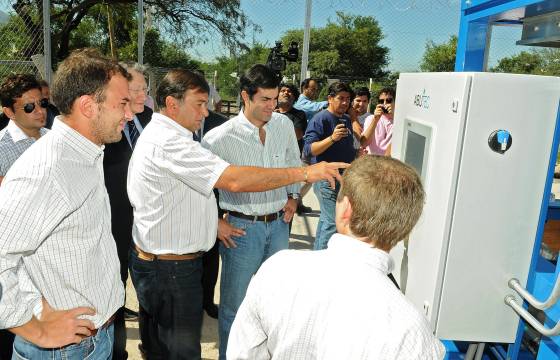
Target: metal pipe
[510, 301]
[552, 299]
[306, 39]
[140, 32]
[471, 350]
[47, 40]
[479, 351]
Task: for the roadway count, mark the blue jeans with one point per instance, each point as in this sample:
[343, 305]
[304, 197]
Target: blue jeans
[326, 226]
[170, 296]
[239, 264]
[98, 347]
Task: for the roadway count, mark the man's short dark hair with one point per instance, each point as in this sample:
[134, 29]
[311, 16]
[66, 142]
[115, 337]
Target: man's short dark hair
[176, 83]
[258, 76]
[338, 87]
[84, 72]
[363, 91]
[388, 91]
[15, 86]
[305, 83]
[293, 89]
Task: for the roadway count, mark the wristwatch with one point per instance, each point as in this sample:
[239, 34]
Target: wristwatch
[294, 196]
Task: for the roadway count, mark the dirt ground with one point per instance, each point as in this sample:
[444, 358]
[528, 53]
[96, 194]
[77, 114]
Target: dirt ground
[301, 237]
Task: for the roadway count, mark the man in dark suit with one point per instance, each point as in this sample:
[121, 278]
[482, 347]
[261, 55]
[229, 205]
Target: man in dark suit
[115, 165]
[210, 260]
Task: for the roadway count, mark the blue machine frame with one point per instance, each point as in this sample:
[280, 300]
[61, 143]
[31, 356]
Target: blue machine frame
[477, 19]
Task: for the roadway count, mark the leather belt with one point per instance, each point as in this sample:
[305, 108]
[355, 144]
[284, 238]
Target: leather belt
[169, 257]
[265, 218]
[104, 326]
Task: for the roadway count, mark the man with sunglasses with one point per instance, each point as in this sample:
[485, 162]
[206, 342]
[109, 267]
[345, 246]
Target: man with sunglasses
[378, 128]
[24, 105]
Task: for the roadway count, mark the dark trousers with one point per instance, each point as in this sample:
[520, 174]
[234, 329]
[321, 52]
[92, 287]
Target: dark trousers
[210, 264]
[6, 344]
[119, 344]
[170, 297]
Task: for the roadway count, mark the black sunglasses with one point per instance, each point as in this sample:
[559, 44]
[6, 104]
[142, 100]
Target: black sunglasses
[29, 107]
[385, 101]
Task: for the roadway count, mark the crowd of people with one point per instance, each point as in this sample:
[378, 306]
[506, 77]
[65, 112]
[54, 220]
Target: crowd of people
[107, 182]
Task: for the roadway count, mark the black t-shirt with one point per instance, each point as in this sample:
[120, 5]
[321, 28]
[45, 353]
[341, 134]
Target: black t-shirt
[300, 122]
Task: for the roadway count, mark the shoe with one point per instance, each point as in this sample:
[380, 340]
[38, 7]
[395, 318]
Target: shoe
[211, 310]
[302, 209]
[130, 315]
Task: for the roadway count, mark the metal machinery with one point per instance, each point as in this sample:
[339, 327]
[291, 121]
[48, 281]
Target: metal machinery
[541, 27]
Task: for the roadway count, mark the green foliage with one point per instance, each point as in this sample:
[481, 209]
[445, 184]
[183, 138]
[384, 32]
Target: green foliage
[439, 57]
[347, 47]
[537, 62]
[225, 66]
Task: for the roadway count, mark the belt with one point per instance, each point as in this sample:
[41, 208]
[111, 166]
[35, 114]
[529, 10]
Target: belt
[265, 218]
[104, 326]
[170, 257]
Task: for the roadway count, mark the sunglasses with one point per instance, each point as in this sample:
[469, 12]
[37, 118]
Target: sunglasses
[385, 101]
[29, 107]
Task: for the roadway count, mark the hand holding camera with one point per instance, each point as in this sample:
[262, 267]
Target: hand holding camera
[340, 131]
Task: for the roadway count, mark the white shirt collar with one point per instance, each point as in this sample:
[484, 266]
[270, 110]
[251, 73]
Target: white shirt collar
[169, 121]
[17, 134]
[77, 141]
[377, 258]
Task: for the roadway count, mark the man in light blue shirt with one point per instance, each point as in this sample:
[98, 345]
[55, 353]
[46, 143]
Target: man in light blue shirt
[306, 101]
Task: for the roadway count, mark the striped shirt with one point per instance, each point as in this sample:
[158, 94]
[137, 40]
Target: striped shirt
[237, 141]
[351, 311]
[55, 236]
[13, 142]
[170, 181]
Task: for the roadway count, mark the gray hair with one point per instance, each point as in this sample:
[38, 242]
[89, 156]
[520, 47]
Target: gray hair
[131, 65]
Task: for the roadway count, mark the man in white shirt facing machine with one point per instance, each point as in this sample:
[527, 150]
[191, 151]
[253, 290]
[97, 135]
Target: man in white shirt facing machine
[170, 182]
[352, 310]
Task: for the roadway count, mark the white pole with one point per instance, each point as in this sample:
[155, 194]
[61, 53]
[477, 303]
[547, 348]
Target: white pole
[306, 36]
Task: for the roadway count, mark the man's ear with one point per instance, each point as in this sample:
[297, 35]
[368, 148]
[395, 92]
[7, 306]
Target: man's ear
[245, 97]
[87, 106]
[9, 112]
[171, 104]
[346, 210]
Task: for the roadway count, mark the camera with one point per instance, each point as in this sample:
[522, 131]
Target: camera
[277, 59]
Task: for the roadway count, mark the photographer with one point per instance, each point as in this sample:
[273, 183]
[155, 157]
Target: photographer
[329, 138]
[378, 128]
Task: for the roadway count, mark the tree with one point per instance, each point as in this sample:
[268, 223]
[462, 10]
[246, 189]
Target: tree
[348, 47]
[537, 62]
[439, 57]
[187, 23]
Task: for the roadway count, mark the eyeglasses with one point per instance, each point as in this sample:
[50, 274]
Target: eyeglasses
[385, 101]
[137, 91]
[29, 107]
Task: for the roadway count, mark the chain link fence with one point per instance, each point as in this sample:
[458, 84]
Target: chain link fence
[406, 26]
[22, 42]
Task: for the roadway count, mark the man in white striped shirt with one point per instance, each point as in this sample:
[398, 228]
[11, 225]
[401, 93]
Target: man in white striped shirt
[170, 182]
[258, 136]
[351, 310]
[59, 271]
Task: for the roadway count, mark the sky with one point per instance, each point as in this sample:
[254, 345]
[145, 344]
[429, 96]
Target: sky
[407, 25]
